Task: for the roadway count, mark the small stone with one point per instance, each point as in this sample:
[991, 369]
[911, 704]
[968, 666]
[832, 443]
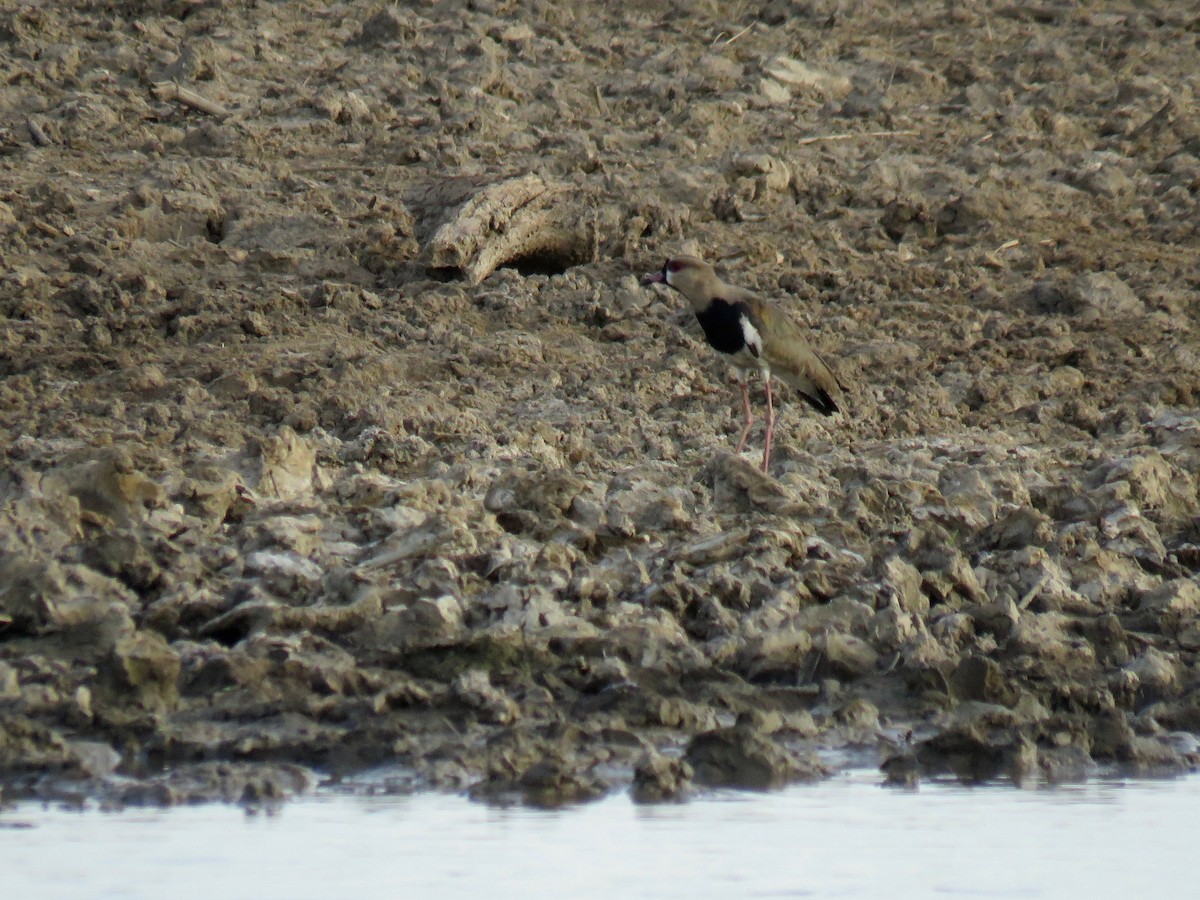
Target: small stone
[430, 621]
[387, 25]
[773, 93]
[795, 73]
[516, 33]
[256, 324]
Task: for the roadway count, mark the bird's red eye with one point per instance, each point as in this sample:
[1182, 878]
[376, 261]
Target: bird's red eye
[674, 265]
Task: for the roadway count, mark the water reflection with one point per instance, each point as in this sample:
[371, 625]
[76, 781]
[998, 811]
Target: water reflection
[846, 837]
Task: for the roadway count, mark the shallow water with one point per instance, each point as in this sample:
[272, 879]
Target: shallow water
[847, 837]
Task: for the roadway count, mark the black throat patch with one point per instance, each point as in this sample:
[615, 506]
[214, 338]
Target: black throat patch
[722, 324]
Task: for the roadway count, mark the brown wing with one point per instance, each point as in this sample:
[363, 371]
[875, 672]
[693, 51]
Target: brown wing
[791, 358]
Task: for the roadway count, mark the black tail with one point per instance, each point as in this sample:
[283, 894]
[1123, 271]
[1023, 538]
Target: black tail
[820, 401]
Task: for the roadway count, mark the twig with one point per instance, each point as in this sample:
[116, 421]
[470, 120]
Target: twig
[1033, 592]
[169, 90]
[600, 104]
[1163, 115]
[734, 38]
[851, 135]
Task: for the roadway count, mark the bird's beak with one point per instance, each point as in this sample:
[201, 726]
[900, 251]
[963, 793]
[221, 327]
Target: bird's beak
[654, 278]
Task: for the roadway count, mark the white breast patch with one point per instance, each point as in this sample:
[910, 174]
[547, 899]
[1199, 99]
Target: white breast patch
[752, 337]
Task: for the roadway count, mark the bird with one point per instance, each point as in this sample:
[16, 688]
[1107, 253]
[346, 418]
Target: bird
[752, 333]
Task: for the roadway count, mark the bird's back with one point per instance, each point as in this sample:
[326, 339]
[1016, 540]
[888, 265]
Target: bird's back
[791, 359]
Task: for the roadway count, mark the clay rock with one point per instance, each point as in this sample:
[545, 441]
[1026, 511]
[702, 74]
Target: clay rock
[474, 688]
[783, 74]
[775, 655]
[981, 742]
[893, 628]
[902, 581]
[518, 218]
[1157, 675]
[433, 621]
[284, 466]
[89, 609]
[555, 780]
[743, 757]
[1175, 604]
[213, 494]
[525, 502]
[981, 679]
[29, 747]
[846, 656]
[844, 615]
[642, 507]
[1153, 482]
[386, 26]
[286, 575]
[658, 779]
[144, 670]
[1157, 755]
[739, 486]
[1046, 637]
[1038, 582]
[952, 582]
[111, 490]
[1089, 296]
[764, 175]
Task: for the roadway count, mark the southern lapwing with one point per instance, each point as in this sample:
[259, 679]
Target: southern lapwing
[753, 334]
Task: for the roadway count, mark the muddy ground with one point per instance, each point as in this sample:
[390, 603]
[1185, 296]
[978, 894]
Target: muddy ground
[287, 497]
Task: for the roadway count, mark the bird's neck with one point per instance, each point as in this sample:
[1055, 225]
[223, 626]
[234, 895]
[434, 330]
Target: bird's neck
[702, 300]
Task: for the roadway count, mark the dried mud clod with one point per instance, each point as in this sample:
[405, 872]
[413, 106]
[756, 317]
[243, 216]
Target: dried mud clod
[337, 435]
[525, 223]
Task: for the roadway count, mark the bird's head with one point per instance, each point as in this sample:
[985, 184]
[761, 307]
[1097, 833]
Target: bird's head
[689, 275]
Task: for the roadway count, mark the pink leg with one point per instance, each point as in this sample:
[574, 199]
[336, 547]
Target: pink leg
[770, 425]
[742, 383]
